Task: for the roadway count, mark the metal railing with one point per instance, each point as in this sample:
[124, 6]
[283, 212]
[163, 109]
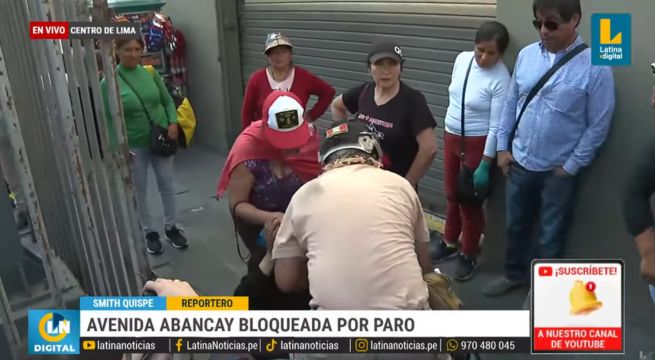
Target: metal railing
[78, 190]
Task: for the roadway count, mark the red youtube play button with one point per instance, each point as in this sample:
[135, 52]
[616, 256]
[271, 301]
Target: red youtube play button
[546, 271]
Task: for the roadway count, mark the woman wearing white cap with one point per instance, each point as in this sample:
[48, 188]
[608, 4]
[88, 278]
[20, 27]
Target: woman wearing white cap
[269, 161]
[283, 74]
[398, 114]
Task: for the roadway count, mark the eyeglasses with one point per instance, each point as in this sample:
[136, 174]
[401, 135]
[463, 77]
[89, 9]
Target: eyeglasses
[549, 24]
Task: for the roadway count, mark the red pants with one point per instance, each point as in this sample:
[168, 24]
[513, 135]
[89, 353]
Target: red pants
[461, 219]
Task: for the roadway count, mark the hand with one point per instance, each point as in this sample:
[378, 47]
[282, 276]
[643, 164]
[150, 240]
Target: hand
[559, 171]
[172, 131]
[278, 215]
[505, 159]
[481, 176]
[270, 231]
[648, 268]
[167, 287]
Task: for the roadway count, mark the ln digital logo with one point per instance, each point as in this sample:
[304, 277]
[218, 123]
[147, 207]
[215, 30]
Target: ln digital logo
[611, 39]
[53, 332]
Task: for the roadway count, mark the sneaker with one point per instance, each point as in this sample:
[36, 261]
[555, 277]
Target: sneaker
[502, 286]
[465, 268]
[152, 243]
[175, 237]
[443, 252]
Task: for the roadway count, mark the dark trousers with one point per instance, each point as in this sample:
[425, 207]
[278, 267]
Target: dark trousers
[535, 197]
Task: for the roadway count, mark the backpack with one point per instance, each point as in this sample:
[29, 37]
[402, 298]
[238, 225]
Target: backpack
[441, 293]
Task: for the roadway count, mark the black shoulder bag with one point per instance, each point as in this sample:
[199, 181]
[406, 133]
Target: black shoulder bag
[544, 79]
[160, 143]
[465, 191]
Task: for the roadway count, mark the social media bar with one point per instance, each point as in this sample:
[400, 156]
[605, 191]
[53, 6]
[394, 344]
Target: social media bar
[306, 345]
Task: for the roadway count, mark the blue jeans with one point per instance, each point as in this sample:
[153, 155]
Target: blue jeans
[164, 174]
[652, 292]
[535, 197]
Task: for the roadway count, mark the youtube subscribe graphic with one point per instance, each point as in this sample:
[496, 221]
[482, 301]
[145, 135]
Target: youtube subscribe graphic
[577, 306]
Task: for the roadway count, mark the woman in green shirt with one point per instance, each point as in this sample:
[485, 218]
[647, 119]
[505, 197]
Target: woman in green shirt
[136, 82]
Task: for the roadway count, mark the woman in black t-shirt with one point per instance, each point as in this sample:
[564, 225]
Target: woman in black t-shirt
[398, 114]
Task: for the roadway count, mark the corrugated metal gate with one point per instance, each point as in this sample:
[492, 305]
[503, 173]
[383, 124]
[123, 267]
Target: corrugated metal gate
[331, 39]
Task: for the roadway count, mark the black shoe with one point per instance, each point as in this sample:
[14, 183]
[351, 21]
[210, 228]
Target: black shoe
[152, 243]
[443, 252]
[175, 237]
[466, 266]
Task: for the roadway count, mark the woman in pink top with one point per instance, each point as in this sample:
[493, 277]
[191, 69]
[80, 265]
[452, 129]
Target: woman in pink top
[283, 74]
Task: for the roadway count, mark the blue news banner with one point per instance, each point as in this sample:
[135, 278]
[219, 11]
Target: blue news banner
[157, 325]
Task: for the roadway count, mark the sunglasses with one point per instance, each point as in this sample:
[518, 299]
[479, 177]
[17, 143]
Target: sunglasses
[549, 24]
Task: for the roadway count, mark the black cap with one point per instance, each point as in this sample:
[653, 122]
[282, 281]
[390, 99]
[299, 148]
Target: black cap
[385, 48]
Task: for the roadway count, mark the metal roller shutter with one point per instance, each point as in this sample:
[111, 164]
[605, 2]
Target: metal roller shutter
[331, 39]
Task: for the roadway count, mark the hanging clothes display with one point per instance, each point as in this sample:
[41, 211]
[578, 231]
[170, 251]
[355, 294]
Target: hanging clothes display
[164, 53]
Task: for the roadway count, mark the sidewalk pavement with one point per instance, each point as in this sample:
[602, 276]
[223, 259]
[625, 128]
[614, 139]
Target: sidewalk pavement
[212, 265]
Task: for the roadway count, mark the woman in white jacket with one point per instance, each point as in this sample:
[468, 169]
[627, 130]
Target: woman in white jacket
[488, 80]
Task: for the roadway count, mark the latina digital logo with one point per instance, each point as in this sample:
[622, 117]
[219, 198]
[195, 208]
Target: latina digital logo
[53, 332]
[611, 39]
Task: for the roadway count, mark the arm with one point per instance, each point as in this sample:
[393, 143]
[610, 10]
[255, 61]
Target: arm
[427, 150]
[291, 274]
[339, 111]
[248, 106]
[289, 256]
[324, 92]
[166, 99]
[636, 200]
[421, 236]
[638, 215]
[241, 182]
[111, 132]
[507, 115]
[422, 125]
[498, 94]
[347, 102]
[600, 108]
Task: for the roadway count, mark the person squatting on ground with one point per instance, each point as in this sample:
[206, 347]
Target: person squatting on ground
[484, 76]
[638, 214]
[397, 114]
[559, 134]
[269, 161]
[145, 99]
[355, 236]
[283, 74]
[356, 232]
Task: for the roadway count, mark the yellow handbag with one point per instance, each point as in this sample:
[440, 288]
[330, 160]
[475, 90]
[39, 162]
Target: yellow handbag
[186, 118]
